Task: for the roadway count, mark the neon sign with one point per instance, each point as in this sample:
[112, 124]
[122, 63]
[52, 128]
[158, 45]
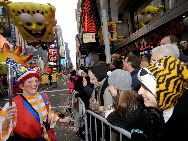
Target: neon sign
[52, 55]
[88, 19]
[149, 46]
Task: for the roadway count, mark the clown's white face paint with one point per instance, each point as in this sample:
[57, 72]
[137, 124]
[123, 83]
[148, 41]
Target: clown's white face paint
[30, 86]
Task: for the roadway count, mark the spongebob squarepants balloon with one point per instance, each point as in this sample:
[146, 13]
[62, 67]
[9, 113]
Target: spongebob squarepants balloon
[34, 21]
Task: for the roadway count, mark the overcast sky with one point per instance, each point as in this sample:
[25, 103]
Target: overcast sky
[65, 16]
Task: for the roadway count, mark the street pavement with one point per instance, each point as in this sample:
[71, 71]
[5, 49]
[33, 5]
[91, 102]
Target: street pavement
[59, 98]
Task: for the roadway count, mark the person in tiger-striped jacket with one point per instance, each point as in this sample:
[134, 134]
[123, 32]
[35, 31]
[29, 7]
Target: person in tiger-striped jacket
[30, 115]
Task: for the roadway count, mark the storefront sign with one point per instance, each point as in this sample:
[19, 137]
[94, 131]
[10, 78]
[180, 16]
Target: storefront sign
[152, 39]
[175, 29]
[89, 37]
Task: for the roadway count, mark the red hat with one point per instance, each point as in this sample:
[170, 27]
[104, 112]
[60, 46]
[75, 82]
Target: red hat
[25, 75]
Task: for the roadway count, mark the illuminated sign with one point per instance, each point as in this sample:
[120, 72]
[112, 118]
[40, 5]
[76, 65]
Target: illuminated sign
[63, 62]
[149, 46]
[52, 45]
[153, 39]
[52, 55]
[175, 29]
[89, 37]
[87, 18]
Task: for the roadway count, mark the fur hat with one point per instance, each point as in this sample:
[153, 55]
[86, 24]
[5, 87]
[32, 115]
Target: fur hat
[99, 71]
[166, 79]
[120, 79]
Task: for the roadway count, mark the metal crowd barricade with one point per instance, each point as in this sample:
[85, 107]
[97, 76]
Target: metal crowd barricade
[72, 98]
[83, 114]
[82, 110]
[103, 120]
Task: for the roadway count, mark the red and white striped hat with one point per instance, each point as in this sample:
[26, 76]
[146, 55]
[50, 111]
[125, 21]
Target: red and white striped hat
[27, 73]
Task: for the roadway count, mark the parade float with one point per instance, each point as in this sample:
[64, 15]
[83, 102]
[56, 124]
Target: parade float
[16, 54]
[35, 21]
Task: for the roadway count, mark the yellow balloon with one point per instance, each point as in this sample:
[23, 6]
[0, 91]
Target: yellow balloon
[148, 14]
[35, 21]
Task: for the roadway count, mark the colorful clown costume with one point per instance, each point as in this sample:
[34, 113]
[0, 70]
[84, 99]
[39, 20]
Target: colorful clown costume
[27, 122]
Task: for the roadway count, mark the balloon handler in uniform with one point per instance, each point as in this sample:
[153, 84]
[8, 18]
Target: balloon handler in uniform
[30, 116]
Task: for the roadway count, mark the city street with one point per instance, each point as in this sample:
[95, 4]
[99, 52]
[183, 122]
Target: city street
[58, 99]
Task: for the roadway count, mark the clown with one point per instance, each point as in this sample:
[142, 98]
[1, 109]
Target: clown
[30, 112]
[34, 21]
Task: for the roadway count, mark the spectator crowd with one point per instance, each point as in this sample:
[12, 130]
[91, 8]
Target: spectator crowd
[146, 95]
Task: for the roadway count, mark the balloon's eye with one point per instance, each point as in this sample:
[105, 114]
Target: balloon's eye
[39, 23]
[26, 19]
[39, 19]
[28, 23]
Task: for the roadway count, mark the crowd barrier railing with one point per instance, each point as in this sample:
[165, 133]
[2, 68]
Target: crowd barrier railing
[83, 113]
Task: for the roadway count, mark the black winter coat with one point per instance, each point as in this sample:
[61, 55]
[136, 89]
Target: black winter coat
[148, 120]
[85, 93]
[78, 84]
[176, 127]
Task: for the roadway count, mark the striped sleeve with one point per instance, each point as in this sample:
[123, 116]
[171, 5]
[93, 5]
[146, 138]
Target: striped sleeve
[52, 118]
[5, 135]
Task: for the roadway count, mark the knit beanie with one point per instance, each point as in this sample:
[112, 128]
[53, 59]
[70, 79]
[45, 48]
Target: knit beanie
[25, 74]
[120, 79]
[166, 79]
[99, 71]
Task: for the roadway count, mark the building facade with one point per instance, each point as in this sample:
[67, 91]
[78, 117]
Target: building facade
[133, 26]
[150, 22]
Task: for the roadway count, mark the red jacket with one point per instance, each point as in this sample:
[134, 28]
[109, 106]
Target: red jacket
[27, 125]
